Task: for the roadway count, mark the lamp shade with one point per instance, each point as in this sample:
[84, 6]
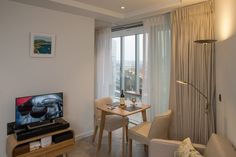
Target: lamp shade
[182, 82]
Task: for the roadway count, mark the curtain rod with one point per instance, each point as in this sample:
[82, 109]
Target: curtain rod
[127, 26]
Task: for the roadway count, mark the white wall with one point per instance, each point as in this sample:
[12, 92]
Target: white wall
[226, 67]
[71, 71]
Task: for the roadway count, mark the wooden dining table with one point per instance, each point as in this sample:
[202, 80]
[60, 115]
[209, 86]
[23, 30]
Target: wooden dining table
[107, 110]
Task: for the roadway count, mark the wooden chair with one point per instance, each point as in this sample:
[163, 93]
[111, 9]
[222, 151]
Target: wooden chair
[146, 131]
[112, 122]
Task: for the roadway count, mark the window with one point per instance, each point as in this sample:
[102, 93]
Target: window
[127, 52]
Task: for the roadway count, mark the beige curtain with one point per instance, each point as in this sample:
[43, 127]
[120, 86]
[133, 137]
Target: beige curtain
[193, 63]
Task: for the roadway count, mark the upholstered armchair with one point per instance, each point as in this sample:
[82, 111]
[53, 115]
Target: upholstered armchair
[146, 131]
[217, 146]
[112, 122]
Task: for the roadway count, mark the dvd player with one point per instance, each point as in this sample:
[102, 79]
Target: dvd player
[59, 124]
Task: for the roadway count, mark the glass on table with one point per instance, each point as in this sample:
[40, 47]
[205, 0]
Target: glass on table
[133, 101]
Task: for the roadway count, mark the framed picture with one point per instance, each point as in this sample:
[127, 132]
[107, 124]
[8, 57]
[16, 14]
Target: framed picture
[42, 45]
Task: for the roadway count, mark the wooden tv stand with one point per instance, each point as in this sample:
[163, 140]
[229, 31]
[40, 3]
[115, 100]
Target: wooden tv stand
[14, 148]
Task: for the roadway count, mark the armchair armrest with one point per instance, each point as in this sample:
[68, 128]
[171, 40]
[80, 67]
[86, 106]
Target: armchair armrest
[199, 147]
[163, 148]
[166, 148]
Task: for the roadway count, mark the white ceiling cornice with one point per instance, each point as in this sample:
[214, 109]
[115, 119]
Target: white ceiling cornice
[164, 6]
[91, 8]
[106, 14]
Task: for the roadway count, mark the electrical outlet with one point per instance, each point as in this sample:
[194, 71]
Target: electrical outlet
[220, 99]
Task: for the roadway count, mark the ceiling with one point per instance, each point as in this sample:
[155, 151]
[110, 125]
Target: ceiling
[109, 11]
[115, 5]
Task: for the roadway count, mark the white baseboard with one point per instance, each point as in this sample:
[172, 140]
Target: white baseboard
[83, 135]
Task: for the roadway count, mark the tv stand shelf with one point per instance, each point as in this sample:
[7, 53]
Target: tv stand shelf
[52, 150]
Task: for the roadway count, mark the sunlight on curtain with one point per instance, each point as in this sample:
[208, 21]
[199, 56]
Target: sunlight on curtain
[157, 52]
[104, 74]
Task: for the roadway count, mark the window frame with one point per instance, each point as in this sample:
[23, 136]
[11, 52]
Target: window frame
[121, 35]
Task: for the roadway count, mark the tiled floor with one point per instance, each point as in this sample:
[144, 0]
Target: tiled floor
[85, 147]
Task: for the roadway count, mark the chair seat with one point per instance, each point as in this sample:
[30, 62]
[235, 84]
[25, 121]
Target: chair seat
[114, 122]
[140, 132]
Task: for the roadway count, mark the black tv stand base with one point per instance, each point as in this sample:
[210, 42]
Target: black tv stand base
[25, 133]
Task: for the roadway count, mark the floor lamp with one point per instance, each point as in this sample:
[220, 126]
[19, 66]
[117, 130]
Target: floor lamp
[196, 89]
[204, 42]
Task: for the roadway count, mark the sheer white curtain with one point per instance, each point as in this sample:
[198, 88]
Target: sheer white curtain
[104, 75]
[157, 57]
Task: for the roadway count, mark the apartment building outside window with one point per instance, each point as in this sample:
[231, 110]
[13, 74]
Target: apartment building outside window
[127, 52]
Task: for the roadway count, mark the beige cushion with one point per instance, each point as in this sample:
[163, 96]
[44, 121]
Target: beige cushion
[140, 132]
[186, 149]
[146, 131]
[219, 146]
[101, 101]
[160, 126]
[113, 122]
[166, 148]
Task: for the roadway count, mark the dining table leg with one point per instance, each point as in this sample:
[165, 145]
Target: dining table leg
[144, 115]
[123, 137]
[102, 125]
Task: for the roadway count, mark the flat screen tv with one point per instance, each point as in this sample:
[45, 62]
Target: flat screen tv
[38, 108]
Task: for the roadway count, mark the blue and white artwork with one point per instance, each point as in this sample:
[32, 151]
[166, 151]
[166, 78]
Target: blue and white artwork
[42, 45]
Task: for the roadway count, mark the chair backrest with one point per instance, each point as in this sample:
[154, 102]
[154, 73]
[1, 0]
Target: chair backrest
[160, 126]
[101, 101]
[219, 146]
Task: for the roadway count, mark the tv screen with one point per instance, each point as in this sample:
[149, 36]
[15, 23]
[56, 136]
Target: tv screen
[38, 108]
